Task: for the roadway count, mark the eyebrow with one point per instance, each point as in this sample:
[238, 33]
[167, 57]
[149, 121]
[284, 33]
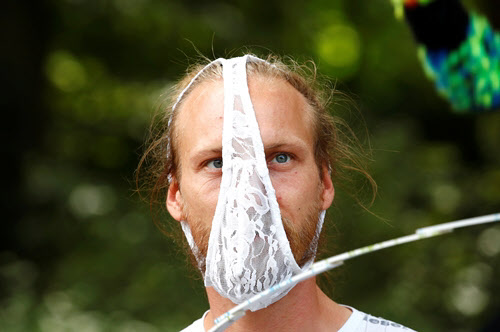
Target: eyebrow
[277, 146]
[200, 155]
[299, 145]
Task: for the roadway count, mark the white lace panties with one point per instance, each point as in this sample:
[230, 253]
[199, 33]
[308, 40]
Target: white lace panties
[248, 250]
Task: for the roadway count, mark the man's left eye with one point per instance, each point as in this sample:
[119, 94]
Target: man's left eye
[281, 158]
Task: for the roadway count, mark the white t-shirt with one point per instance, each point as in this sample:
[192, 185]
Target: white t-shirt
[357, 322]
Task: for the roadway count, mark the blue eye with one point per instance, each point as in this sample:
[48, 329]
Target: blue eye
[281, 158]
[216, 163]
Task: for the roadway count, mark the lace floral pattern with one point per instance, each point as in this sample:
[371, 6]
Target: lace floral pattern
[248, 250]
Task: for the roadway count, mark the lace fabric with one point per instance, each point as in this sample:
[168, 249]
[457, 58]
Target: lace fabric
[248, 250]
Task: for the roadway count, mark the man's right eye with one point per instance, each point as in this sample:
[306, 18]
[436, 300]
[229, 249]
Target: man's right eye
[215, 163]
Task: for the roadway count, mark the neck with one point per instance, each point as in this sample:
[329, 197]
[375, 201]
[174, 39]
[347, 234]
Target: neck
[305, 307]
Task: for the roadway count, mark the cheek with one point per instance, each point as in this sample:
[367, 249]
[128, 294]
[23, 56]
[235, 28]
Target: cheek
[294, 190]
[201, 197]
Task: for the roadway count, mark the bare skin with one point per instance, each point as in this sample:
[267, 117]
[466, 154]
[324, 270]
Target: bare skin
[305, 308]
[285, 125]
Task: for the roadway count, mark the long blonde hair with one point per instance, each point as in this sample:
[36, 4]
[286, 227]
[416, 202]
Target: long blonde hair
[335, 144]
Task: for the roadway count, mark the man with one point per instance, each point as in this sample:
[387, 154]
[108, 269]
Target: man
[250, 154]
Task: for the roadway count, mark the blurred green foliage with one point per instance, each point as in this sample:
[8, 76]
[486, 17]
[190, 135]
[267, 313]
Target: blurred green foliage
[85, 253]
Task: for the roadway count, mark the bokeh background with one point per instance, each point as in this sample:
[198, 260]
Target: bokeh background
[78, 249]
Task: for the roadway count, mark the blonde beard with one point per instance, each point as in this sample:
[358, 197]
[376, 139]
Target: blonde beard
[300, 238]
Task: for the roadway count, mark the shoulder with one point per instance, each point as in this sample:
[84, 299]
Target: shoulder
[197, 325]
[359, 321]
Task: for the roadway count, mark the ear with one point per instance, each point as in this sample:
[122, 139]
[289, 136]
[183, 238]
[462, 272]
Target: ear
[328, 190]
[175, 202]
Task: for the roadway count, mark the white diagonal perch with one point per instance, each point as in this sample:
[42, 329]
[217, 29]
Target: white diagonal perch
[225, 320]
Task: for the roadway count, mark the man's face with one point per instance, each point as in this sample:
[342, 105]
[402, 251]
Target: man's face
[285, 125]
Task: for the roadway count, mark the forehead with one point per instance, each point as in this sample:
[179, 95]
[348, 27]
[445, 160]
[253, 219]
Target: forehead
[282, 113]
